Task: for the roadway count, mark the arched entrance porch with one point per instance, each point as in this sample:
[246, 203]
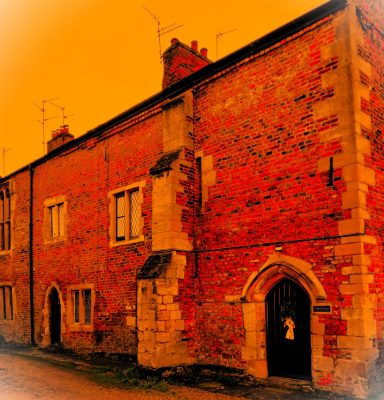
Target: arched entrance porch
[279, 272]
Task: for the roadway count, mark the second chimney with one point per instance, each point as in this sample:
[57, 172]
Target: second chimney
[181, 60]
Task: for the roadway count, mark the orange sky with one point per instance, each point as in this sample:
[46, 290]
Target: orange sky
[100, 57]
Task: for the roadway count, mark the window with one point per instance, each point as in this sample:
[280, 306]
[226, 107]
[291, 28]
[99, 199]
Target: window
[56, 220]
[127, 215]
[199, 184]
[126, 219]
[5, 219]
[55, 216]
[6, 302]
[76, 306]
[80, 305]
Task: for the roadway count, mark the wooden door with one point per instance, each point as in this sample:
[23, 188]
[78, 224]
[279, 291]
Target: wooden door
[288, 331]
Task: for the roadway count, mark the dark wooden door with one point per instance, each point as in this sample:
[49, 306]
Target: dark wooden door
[55, 317]
[288, 331]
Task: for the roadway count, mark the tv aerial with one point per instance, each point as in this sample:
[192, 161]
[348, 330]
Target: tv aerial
[44, 119]
[4, 151]
[162, 31]
[219, 37]
[63, 116]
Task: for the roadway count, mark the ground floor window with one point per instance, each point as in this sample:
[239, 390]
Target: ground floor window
[6, 302]
[80, 306]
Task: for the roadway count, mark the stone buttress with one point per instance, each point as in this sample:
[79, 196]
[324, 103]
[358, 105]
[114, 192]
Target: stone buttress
[160, 320]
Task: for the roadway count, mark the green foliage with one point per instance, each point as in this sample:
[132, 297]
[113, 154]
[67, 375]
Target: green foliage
[133, 377]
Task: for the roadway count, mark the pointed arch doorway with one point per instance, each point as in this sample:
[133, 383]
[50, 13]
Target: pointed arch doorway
[55, 316]
[288, 335]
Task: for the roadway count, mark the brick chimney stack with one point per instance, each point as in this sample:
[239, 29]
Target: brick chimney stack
[59, 137]
[181, 60]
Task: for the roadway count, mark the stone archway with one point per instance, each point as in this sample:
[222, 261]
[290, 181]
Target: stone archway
[53, 326]
[255, 291]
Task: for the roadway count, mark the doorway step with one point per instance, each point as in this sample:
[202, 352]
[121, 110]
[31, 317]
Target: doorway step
[288, 383]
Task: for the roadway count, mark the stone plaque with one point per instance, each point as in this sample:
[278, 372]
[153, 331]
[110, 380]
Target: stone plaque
[322, 309]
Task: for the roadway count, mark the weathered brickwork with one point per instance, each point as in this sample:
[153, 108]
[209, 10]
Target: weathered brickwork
[14, 263]
[264, 167]
[85, 256]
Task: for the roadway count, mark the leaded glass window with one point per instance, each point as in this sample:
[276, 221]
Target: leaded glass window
[127, 215]
[87, 306]
[5, 219]
[134, 214]
[6, 301]
[120, 216]
[76, 306]
[56, 220]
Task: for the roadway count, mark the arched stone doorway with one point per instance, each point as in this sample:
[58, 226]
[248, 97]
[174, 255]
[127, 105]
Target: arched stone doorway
[278, 269]
[287, 309]
[54, 310]
[55, 316]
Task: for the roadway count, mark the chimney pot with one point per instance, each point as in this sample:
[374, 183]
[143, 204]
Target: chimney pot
[59, 137]
[194, 45]
[204, 52]
[63, 129]
[180, 60]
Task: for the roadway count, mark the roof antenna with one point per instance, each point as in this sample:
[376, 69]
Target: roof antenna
[219, 37]
[162, 31]
[44, 119]
[4, 151]
[64, 116]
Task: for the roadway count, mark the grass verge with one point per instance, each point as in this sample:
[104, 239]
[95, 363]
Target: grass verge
[132, 377]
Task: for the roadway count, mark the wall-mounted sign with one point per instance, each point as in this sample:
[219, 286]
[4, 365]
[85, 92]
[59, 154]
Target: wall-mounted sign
[322, 309]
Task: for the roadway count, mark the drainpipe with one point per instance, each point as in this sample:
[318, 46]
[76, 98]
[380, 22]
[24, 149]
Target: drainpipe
[31, 296]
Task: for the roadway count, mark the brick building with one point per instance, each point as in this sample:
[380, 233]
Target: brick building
[234, 218]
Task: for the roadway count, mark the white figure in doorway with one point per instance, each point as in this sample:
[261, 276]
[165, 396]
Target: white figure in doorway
[290, 335]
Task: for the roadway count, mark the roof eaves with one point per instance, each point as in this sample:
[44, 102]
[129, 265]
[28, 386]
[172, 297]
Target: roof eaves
[199, 76]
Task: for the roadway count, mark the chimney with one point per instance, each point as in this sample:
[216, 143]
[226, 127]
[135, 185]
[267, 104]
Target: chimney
[59, 137]
[181, 60]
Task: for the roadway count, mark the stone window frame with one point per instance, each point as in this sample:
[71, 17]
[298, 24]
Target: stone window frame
[49, 204]
[6, 192]
[7, 303]
[81, 325]
[113, 240]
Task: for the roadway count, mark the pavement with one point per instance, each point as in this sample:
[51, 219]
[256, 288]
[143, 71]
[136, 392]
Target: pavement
[273, 388]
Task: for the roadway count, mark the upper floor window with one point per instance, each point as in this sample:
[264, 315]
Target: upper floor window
[6, 302]
[125, 214]
[5, 219]
[55, 218]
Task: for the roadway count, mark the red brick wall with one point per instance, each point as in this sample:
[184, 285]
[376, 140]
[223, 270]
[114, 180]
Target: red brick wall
[258, 122]
[85, 175]
[14, 266]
